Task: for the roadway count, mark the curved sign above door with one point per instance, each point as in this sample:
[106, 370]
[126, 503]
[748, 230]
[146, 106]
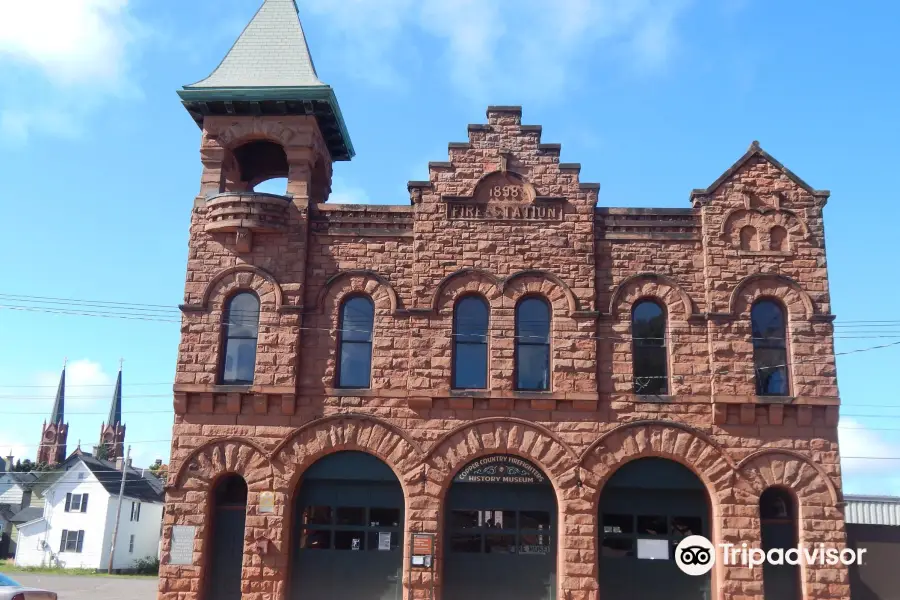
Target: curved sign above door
[501, 468]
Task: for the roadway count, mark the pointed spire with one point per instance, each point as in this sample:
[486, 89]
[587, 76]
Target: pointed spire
[59, 405]
[115, 408]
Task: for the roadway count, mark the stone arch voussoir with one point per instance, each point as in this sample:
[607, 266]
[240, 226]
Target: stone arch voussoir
[347, 431]
[243, 277]
[358, 281]
[542, 283]
[664, 439]
[780, 467]
[798, 302]
[650, 285]
[461, 282]
[224, 455]
[245, 130]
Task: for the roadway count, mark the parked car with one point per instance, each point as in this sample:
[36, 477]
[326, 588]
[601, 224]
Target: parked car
[12, 590]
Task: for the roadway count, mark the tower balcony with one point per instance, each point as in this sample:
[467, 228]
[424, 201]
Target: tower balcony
[249, 211]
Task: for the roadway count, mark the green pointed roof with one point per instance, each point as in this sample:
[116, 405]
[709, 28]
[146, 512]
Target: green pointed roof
[59, 405]
[115, 409]
[269, 70]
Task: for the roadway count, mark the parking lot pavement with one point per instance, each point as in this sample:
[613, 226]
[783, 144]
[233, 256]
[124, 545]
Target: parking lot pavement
[70, 587]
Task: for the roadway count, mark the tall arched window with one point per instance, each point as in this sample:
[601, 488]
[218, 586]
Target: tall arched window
[532, 354]
[354, 369]
[241, 331]
[770, 360]
[470, 343]
[648, 344]
[778, 524]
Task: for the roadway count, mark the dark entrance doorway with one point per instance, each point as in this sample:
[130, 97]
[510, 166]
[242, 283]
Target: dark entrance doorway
[347, 539]
[646, 508]
[501, 529]
[226, 545]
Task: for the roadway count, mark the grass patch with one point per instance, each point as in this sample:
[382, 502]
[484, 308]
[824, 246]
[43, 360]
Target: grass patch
[8, 566]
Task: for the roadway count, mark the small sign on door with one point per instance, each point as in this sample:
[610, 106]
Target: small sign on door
[354, 545]
[384, 540]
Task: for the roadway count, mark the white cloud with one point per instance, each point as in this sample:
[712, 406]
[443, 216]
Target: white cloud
[87, 384]
[18, 125]
[874, 474]
[493, 47]
[344, 193]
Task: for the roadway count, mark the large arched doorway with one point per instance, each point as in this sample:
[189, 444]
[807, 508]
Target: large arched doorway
[646, 508]
[226, 544]
[347, 541]
[500, 531]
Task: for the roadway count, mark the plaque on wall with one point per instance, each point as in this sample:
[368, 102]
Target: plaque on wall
[266, 502]
[182, 552]
[501, 468]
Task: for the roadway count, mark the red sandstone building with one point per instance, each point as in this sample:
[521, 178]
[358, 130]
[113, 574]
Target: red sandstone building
[494, 390]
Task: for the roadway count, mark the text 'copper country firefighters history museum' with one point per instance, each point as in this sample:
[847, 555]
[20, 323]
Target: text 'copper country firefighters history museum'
[495, 389]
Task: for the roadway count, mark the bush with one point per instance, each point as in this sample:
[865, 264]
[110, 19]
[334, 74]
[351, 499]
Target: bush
[147, 566]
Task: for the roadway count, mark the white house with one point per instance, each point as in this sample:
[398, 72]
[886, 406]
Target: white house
[76, 527]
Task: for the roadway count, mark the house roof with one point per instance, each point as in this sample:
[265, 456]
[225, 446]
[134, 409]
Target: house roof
[146, 488]
[7, 512]
[28, 514]
[26, 480]
[872, 510]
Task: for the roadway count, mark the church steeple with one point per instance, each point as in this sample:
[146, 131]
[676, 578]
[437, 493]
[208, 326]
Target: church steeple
[112, 432]
[52, 449]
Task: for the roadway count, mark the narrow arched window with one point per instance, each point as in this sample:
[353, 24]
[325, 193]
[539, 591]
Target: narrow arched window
[470, 343]
[778, 530]
[648, 343]
[241, 332]
[749, 239]
[770, 360]
[354, 369]
[778, 239]
[532, 354]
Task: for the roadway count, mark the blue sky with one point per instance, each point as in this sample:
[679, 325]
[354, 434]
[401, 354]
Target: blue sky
[654, 98]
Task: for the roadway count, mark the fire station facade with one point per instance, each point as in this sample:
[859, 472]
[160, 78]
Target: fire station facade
[494, 390]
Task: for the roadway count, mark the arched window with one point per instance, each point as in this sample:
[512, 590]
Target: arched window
[354, 369]
[470, 343]
[241, 331]
[648, 343]
[769, 348]
[749, 238]
[532, 345]
[778, 529]
[778, 239]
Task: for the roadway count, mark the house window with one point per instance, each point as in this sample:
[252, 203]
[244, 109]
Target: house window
[241, 331]
[135, 511]
[769, 348]
[76, 502]
[131, 544]
[648, 344]
[470, 343]
[357, 320]
[532, 346]
[82, 475]
[71, 541]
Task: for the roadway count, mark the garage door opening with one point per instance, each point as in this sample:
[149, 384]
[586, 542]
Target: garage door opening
[347, 539]
[500, 532]
[646, 508]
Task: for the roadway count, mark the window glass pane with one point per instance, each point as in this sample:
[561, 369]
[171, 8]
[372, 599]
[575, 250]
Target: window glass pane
[650, 369]
[534, 544]
[767, 321]
[243, 316]
[498, 519]
[374, 537]
[349, 540]
[682, 527]
[534, 519]
[500, 544]
[240, 360]
[465, 543]
[470, 368]
[351, 515]
[775, 504]
[618, 524]
[356, 364]
[771, 371]
[470, 320]
[648, 324]
[464, 519]
[533, 368]
[533, 321]
[617, 547]
[315, 539]
[316, 515]
[357, 319]
[652, 525]
[384, 517]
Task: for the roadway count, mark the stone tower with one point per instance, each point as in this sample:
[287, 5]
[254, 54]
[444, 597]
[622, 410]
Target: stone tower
[112, 432]
[52, 449]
